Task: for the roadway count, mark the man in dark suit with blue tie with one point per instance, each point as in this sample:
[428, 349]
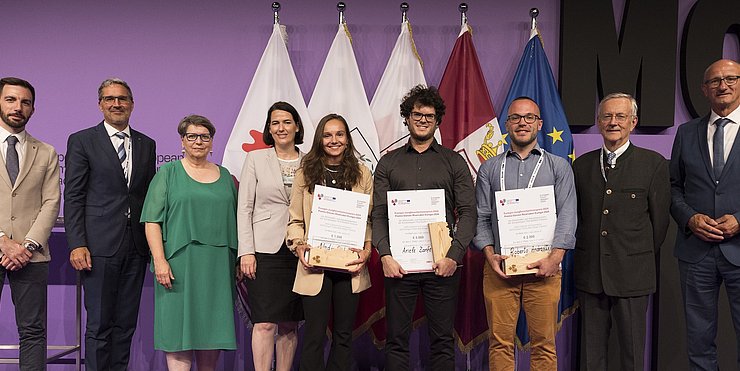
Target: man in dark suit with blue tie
[109, 167]
[705, 174]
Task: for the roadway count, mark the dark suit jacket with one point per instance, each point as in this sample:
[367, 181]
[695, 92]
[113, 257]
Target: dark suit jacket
[694, 190]
[621, 222]
[96, 198]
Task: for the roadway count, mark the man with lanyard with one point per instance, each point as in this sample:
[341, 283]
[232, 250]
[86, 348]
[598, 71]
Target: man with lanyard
[623, 202]
[524, 165]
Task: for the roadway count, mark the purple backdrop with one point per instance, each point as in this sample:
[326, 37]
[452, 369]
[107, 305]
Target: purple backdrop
[189, 56]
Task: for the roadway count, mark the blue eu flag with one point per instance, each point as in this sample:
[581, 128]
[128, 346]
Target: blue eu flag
[534, 79]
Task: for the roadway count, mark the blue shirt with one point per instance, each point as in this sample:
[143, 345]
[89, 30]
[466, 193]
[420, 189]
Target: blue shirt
[554, 171]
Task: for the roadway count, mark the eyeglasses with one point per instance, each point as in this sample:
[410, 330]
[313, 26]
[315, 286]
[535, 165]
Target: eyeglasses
[717, 81]
[529, 118]
[122, 99]
[619, 117]
[192, 137]
[429, 117]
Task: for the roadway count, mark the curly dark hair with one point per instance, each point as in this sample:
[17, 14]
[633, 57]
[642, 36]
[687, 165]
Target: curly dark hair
[287, 107]
[314, 162]
[425, 96]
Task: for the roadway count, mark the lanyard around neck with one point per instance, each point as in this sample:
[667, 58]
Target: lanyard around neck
[531, 179]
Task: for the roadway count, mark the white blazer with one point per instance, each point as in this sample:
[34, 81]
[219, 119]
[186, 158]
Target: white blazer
[262, 210]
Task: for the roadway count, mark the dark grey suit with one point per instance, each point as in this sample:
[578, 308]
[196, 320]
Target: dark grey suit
[704, 265]
[97, 201]
[621, 224]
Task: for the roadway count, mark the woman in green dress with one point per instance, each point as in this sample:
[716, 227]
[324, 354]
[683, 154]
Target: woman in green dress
[190, 216]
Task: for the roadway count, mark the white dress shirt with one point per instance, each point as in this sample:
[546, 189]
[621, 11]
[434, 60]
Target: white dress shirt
[20, 147]
[730, 132]
[116, 141]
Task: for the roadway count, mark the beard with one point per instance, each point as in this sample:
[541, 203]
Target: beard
[421, 138]
[13, 124]
[522, 143]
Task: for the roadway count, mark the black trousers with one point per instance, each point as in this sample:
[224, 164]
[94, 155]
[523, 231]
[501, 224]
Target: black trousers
[335, 297]
[28, 291]
[112, 296]
[601, 314]
[440, 304]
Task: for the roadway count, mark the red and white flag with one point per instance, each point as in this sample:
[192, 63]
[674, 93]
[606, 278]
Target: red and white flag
[470, 125]
[340, 90]
[471, 128]
[273, 81]
[403, 71]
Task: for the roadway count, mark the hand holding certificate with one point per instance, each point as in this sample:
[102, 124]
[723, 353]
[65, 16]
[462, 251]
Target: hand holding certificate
[409, 216]
[338, 224]
[526, 224]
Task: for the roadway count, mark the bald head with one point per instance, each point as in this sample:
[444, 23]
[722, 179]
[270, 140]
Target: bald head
[720, 86]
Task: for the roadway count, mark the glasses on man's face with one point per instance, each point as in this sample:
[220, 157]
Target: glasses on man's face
[620, 118]
[192, 137]
[429, 117]
[122, 99]
[529, 118]
[717, 81]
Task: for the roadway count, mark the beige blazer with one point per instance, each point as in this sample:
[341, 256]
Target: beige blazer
[262, 211]
[309, 282]
[29, 209]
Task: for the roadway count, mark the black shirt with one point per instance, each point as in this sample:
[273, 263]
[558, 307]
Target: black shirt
[438, 167]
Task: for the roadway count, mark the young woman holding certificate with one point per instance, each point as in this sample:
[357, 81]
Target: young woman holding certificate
[331, 163]
[264, 260]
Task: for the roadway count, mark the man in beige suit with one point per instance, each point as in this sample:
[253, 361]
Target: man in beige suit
[29, 205]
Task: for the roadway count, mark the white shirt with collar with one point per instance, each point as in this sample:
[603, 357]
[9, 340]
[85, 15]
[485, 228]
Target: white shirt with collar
[731, 129]
[618, 152]
[20, 147]
[127, 164]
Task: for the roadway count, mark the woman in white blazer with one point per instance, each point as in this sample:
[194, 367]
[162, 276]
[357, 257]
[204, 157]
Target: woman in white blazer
[262, 217]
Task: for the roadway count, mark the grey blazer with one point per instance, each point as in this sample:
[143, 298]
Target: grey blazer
[262, 211]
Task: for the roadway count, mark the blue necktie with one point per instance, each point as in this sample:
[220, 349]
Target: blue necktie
[718, 147]
[11, 159]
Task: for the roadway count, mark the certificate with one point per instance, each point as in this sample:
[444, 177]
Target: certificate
[409, 215]
[338, 218]
[526, 224]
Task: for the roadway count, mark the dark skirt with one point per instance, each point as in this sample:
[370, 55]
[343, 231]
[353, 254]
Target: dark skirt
[271, 296]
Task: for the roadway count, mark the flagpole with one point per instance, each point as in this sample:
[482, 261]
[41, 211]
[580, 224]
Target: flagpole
[463, 8]
[340, 9]
[534, 12]
[275, 11]
[404, 9]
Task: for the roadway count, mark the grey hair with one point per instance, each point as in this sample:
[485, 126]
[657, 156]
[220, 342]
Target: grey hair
[611, 96]
[111, 81]
[196, 120]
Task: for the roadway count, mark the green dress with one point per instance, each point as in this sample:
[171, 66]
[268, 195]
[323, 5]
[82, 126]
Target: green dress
[200, 242]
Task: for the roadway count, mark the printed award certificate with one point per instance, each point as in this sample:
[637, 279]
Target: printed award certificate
[409, 215]
[338, 221]
[526, 224]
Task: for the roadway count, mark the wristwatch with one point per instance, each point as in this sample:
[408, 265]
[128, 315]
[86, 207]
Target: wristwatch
[32, 246]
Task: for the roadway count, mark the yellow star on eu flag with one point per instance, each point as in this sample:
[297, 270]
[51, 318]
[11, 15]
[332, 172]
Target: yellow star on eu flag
[572, 155]
[555, 135]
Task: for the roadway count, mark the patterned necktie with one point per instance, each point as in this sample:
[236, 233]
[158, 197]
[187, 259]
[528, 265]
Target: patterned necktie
[122, 152]
[610, 157]
[11, 159]
[718, 147]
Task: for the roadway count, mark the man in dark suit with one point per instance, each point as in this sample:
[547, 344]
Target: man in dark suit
[109, 167]
[29, 205]
[705, 173]
[623, 201]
